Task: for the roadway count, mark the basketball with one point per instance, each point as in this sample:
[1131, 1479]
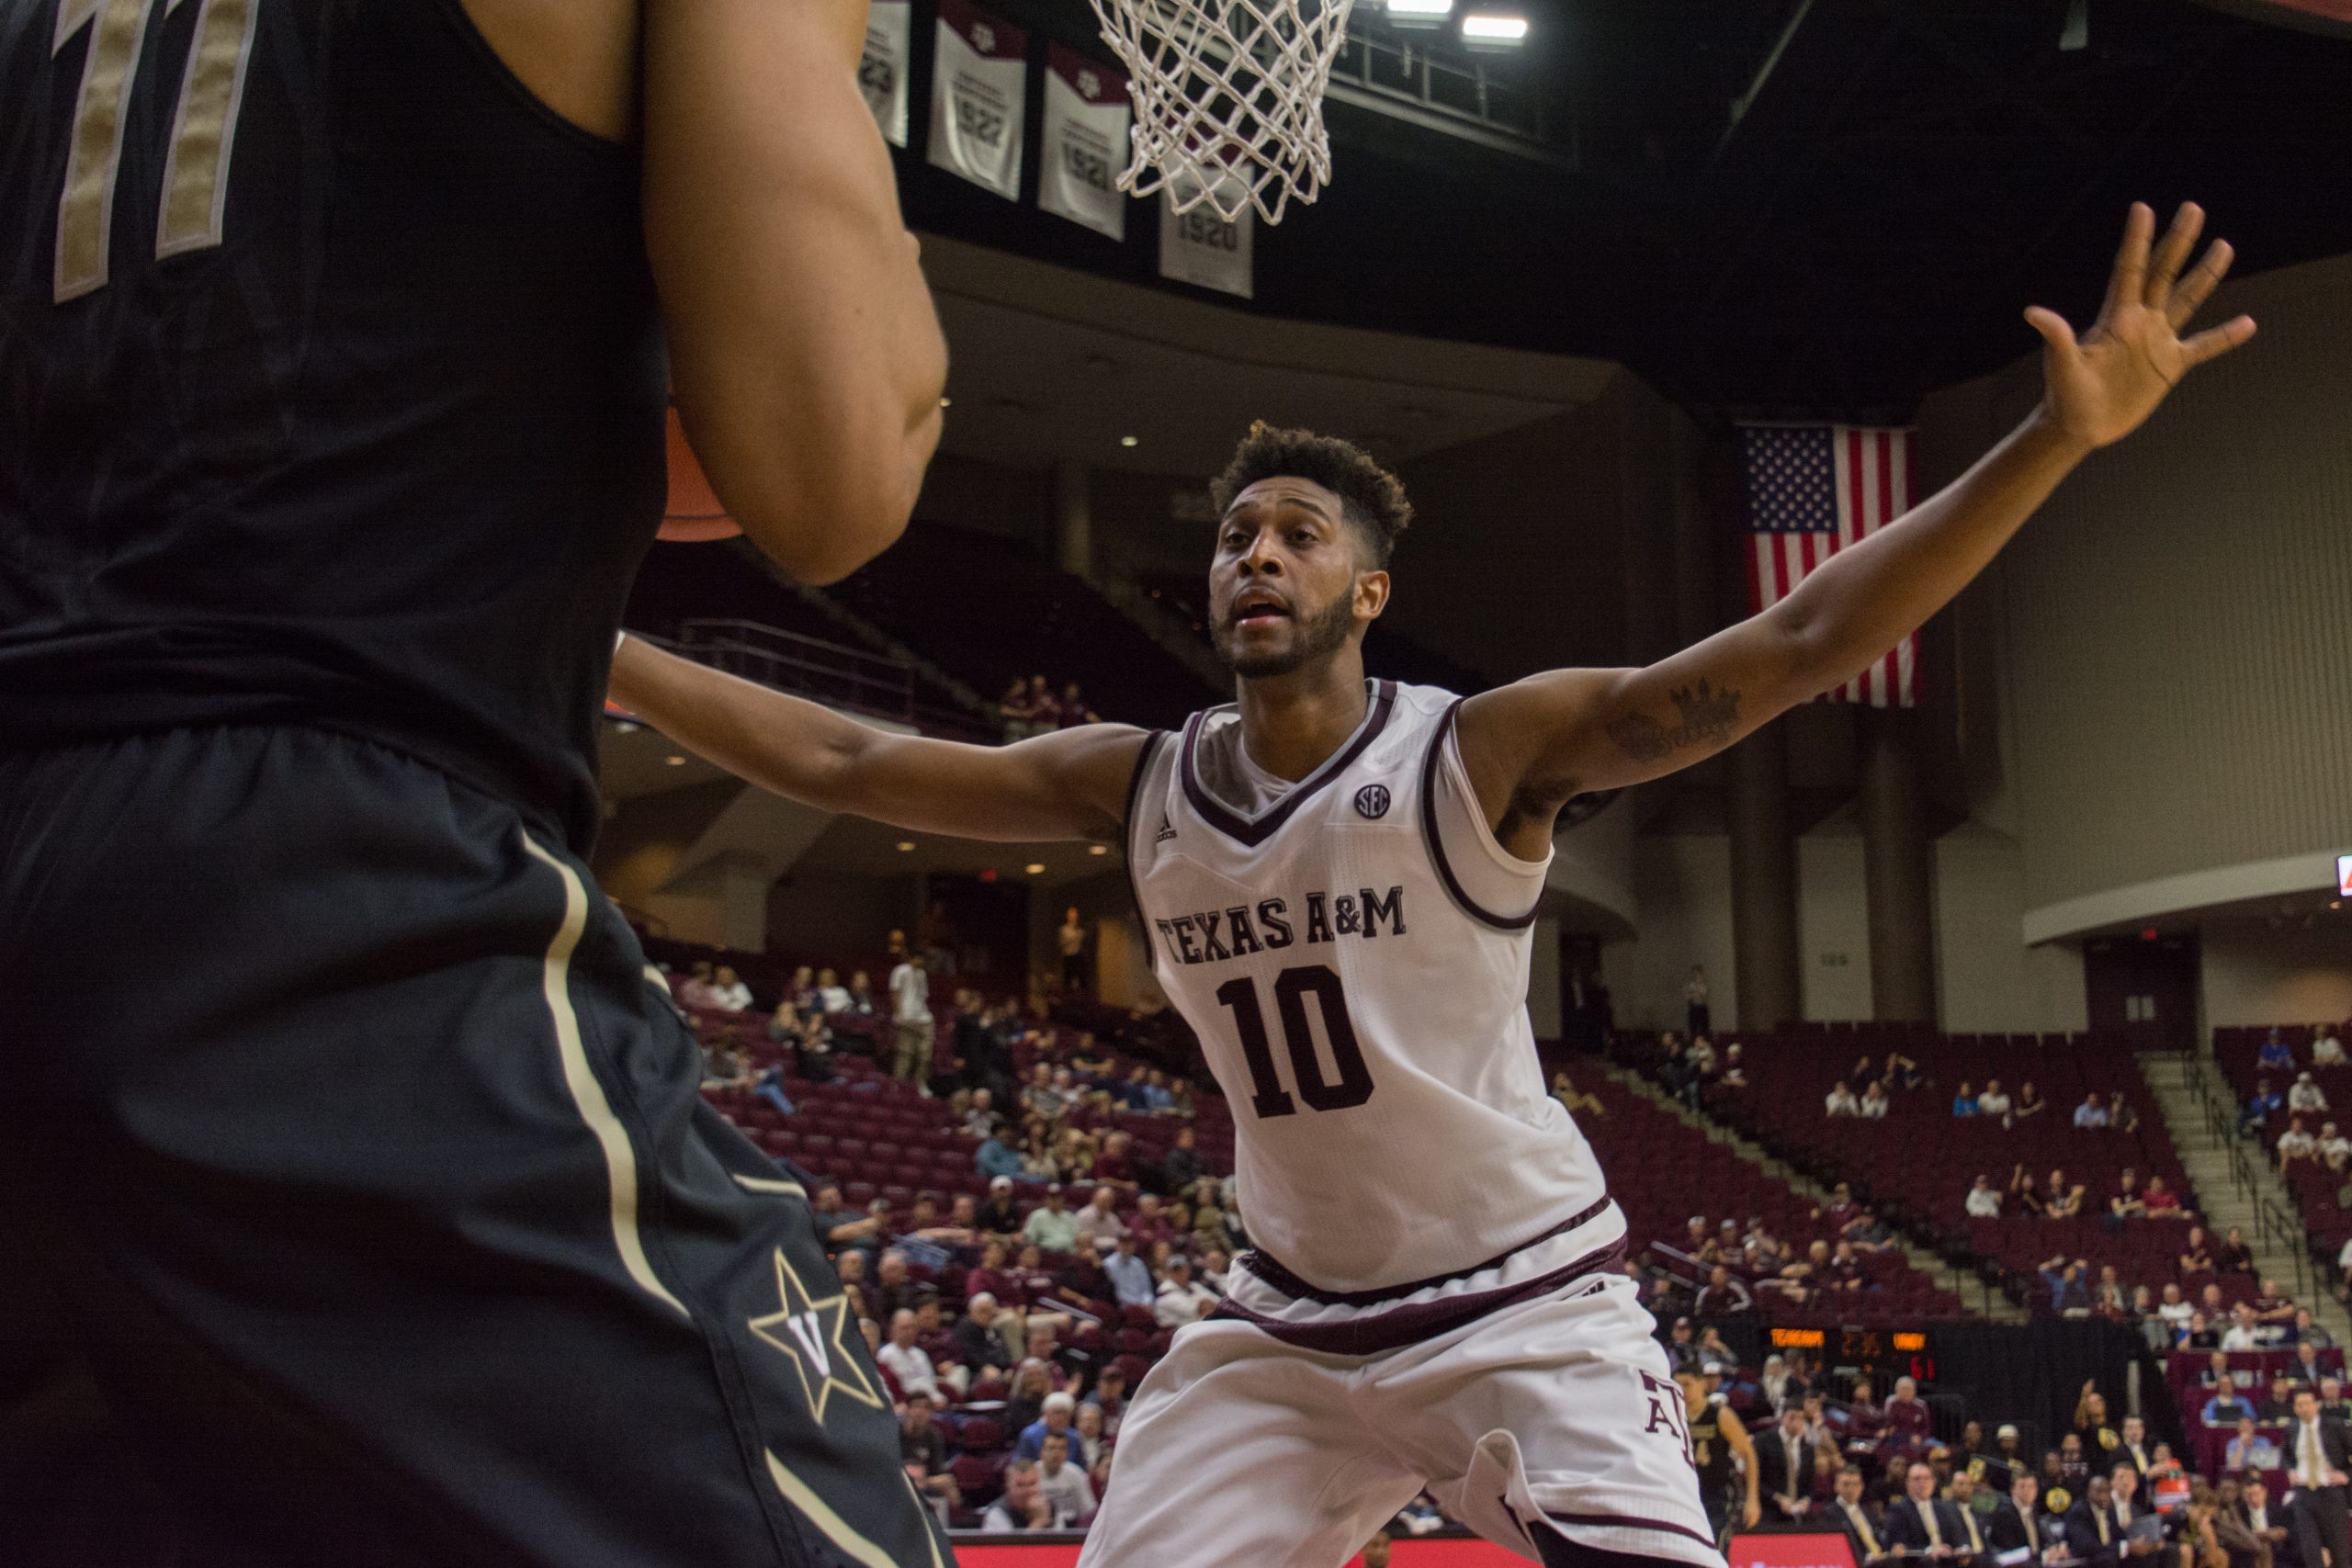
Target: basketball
[692, 514]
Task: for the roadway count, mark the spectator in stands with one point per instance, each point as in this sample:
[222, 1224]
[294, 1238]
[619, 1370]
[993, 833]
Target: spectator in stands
[2063, 1200]
[981, 1118]
[1846, 1270]
[2327, 1047]
[2275, 1055]
[1015, 709]
[2129, 1202]
[907, 1360]
[2161, 1203]
[1130, 1276]
[2119, 1115]
[1696, 1018]
[2109, 1298]
[861, 996]
[2068, 1282]
[1994, 1101]
[1840, 1101]
[2263, 1104]
[2091, 1115]
[2243, 1334]
[1908, 1421]
[2331, 1401]
[997, 1162]
[2172, 1311]
[1183, 1300]
[1575, 1102]
[842, 1227]
[1866, 1232]
[2310, 1333]
[2306, 1096]
[1722, 1293]
[2248, 1449]
[1070, 937]
[1062, 1483]
[1023, 1506]
[2196, 1253]
[1050, 1226]
[694, 991]
[1055, 1412]
[2203, 1333]
[1180, 1167]
[1963, 1102]
[1110, 1396]
[2274, 1309]
[2029, 1102]
[1984, 1201]
[832, 994]
[910, 1018]
[2332, 1147]
[2025, 1192]
[2295, 1144]
[1000, 1216]
[727, 992]
[1072, 711]
[922, 1447]
[1099, 1222]
[784, 1024]
[979, 1343]
[1874, 1103]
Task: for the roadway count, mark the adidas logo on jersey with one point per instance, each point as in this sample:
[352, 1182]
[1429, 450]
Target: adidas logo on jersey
[1167, 829]
[1214, 935]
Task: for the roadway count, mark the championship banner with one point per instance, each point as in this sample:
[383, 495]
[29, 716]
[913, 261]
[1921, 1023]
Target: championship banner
[1199, 248]
[980, 83]
[882, 70]
[1087, 113]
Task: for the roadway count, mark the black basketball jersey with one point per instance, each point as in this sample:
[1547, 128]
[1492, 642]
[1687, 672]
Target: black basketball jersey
[1709, 1453]
[331, 386]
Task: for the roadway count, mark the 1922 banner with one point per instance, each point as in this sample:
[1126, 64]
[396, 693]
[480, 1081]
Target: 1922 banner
[882, 70]
[980, 83]
[1087, 116]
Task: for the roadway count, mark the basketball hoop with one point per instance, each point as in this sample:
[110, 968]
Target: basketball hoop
[1229, 97]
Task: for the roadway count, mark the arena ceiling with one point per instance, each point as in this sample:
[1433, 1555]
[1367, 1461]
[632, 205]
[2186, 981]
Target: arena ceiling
[1816, 205]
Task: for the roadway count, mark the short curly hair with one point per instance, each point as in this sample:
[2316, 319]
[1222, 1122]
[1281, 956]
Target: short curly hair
[1371, 497]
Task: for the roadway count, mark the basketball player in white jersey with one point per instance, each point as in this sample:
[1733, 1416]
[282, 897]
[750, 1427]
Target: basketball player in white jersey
[1338, 879]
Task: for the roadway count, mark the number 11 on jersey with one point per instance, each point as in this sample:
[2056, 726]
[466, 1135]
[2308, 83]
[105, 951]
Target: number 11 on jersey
[1291, 988]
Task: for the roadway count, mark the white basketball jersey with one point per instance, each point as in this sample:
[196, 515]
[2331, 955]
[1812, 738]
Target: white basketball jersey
[1355, 958]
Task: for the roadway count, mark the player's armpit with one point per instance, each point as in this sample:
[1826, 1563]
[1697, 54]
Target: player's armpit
[805, 356]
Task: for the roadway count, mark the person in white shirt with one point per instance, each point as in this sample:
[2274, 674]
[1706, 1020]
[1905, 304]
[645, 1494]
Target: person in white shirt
[1840, 1101]
[832, 994]
[907, 1360]
[2305, 1095]
[2244, 1333]
[1099, 1222]
[2327, 1048]
[2174, 1309]
[1994, 1101]
[728, 991]
[1064, 1484]
[1984, 1199]
[1181, 1300]
[2295, 1144]
[910, 1013]
[2333, 1146]
[1874, 1103]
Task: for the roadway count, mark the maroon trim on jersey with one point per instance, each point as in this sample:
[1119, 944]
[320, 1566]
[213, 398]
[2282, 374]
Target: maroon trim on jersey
[1374, 1333]
[1127, 845]
[1290, 1284]
[1231, 823]
[1437, 846]
[1629, 1521]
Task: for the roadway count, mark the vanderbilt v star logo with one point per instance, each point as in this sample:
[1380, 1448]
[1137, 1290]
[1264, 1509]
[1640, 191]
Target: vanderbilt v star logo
[808, 1330]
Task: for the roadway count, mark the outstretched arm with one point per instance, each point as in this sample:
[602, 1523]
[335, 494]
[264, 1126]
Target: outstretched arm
[1532, 745]
[1069, 785]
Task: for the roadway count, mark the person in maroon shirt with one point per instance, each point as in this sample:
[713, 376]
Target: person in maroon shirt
[1909, 1423]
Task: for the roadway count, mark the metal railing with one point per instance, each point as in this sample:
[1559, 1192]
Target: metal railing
[2274, 1222]
[822, 672]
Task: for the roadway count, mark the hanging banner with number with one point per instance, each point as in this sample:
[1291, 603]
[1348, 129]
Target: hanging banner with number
[980, 83]
[1199, 248]
[882, 71]
[1086, 142]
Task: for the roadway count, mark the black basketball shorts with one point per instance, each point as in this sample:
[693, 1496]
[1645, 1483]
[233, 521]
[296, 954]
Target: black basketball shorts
[346, 1143]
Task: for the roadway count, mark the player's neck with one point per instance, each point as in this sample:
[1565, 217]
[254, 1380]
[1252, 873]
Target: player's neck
[1292, 724]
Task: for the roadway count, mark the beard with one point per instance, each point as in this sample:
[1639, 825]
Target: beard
[1312, 637]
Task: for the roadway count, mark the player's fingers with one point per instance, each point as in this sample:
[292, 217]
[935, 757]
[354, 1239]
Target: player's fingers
[2216, 342]
[2198, 286]
[2172, 254]
[2053, 327]
[2131, 260]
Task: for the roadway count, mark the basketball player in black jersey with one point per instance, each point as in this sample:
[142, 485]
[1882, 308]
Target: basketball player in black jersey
[346, 1153]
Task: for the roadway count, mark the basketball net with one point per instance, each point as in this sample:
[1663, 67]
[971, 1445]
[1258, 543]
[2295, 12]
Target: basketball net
[1229, 97]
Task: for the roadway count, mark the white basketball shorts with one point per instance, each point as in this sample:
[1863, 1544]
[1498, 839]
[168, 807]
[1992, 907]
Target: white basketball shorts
[1549, 1423]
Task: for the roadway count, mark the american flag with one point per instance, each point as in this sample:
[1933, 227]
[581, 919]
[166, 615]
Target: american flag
[1811, 489]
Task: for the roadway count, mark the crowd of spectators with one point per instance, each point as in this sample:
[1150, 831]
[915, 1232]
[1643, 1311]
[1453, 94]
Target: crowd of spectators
[1030, 708]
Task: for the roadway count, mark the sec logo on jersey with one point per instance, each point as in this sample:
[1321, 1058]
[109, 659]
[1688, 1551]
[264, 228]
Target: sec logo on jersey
[1373, 800]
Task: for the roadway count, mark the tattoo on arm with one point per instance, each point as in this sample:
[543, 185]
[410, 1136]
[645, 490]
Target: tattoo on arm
[1707, 717]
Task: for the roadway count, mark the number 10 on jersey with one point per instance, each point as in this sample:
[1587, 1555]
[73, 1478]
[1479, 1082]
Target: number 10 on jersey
[1292, 988]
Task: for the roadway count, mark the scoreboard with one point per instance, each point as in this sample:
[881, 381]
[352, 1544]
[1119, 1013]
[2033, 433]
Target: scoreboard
[1881, 1352]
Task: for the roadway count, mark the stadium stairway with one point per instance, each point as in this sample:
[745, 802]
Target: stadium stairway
[2236, 1179]
[1968, 1288]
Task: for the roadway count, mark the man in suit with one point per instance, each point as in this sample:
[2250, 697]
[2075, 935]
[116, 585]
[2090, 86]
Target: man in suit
[2091, 1532]
[1785, 1466]
[1920, 1524]
[1974, 1536]
[2127, 1507]
[2018, 1522]
[2133, 1445]
[2319, 1453]
[1854, 1517]
[2249, 1529]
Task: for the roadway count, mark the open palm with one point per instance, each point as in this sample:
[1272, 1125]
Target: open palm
[2101, 387]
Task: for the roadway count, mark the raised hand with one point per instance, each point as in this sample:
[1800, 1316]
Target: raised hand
[2100, 388]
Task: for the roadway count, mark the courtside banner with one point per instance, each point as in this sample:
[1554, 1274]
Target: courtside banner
[1086, 142]
[1830, 1549]
[980, 84]
[1406, 1553]
[882, 71]
[1199, 248]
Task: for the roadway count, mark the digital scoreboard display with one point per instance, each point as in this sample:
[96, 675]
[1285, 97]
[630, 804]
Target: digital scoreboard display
[1895, 1352]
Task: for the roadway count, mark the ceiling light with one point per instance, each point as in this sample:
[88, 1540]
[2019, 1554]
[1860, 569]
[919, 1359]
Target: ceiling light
[1034, 868]
[1098, 849]
[675, 760]
[1492, 30]
[1126, 441]
[1419, 13]
[905, 845]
